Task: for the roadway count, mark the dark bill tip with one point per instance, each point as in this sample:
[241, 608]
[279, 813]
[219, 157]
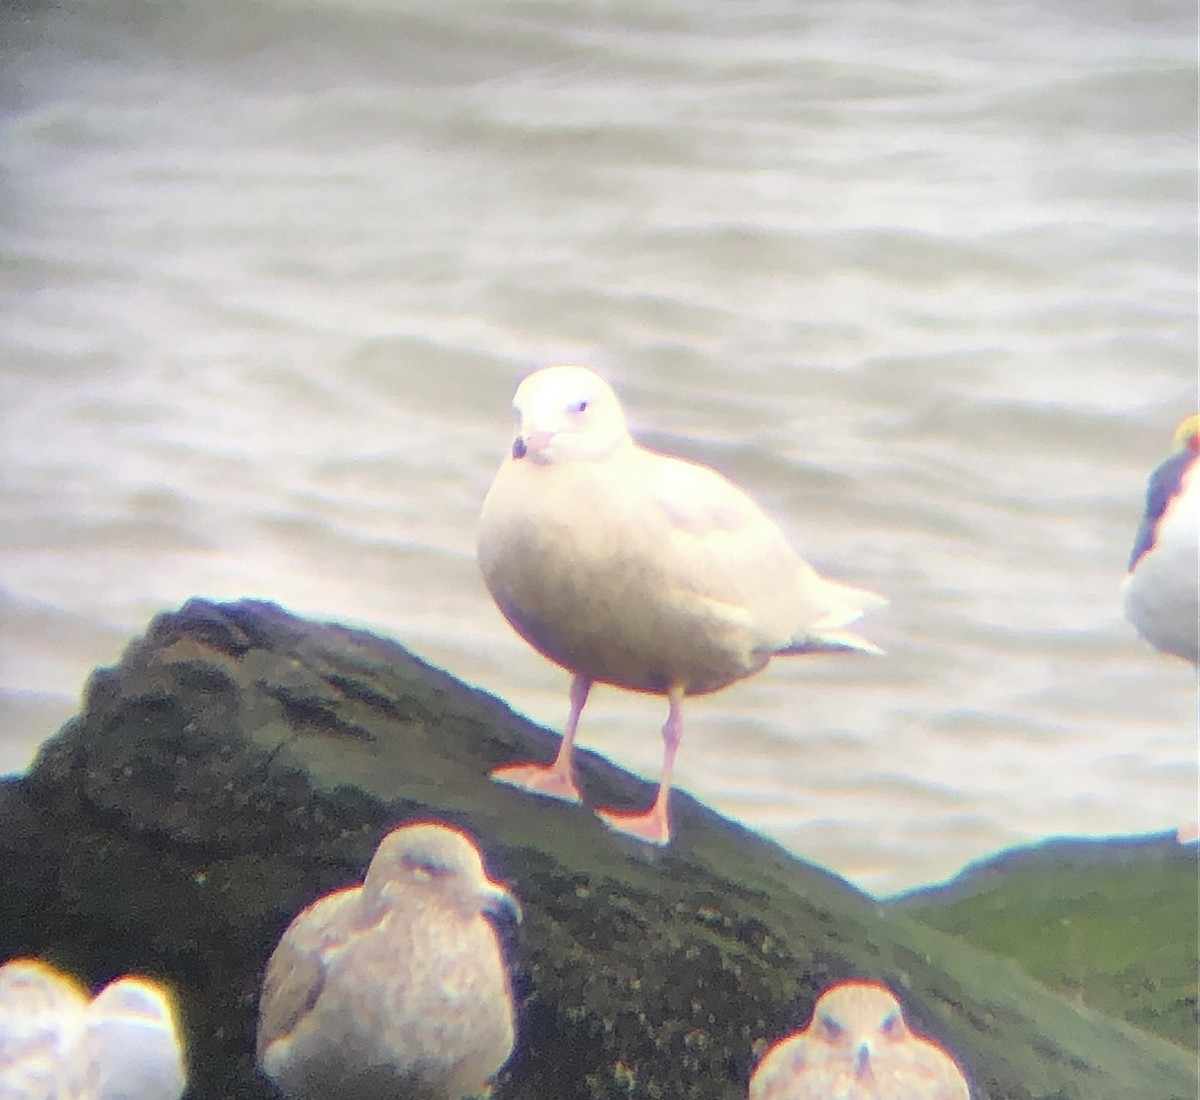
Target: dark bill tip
[503, 905]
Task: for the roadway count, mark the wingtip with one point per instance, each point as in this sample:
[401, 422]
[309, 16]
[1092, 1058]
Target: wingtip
[839, 641]
[833, 641]
[845, 604]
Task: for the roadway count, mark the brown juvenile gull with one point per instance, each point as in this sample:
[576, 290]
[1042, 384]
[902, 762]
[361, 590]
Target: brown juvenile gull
[637, 569]
[396, 988]
[41, 1021]
[857, 1047]
[132, 1046]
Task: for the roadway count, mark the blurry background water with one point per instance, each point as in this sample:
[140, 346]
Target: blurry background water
[921, 276]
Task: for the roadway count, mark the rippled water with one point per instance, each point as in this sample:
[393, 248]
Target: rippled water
[922, 277]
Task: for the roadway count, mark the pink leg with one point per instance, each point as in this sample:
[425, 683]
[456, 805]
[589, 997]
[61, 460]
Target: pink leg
[654, 826]
[554, 780]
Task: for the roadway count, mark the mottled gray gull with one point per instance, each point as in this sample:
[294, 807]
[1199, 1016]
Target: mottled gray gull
[132, 1044]
[396, 988]
[857, 1047]
[42, 1015]
[55, 1044]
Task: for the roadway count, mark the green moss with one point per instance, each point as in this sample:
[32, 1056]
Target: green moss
[1112, 924]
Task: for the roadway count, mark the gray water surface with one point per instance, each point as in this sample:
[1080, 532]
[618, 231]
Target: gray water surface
[921, 277]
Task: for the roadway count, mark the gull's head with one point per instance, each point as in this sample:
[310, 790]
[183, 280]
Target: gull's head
[1173, 479]
[565, 413]
[31, 988]
[861, 1019]
[1187, 435]
[431, 863]
[134, 999]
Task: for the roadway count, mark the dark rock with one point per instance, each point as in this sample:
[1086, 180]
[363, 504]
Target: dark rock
[239, 762]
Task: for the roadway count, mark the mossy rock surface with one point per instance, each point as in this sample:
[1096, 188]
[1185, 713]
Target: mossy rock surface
[239, 762]
[1111, 923]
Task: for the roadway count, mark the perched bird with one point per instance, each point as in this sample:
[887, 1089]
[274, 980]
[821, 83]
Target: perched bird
[857, 1047]
[42, 1015]
[637, 569]
[55, 1044]
[132, 1046]
[395, 989]
[1160, 587]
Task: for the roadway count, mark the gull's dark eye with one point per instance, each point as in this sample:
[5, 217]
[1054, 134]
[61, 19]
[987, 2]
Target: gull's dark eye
[579, 406]
[830, 1029]
[893, 1026]
[424, 868]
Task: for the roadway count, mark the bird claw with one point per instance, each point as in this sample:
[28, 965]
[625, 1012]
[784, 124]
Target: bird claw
[652, 827]
[539, 779]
